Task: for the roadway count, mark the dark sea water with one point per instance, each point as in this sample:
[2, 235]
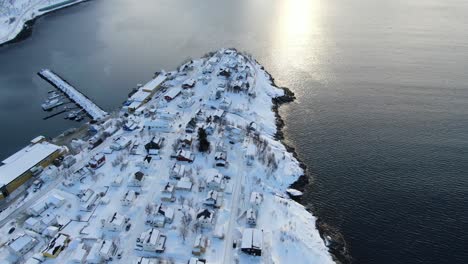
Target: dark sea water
[382, 109]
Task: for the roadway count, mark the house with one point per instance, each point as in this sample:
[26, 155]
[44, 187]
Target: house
[186, 103]
[167, 193]
[225, 103]
[56, 245]
[49, 220]
[152, 240]
[186, 140]
[107, 248]
[251, 216]
[189, 83]
[191, 126]
[158, 125]
[37, 209]
[220, 159]
[155, 143]
[214, 180]
[214, 199]
[184, 184]
[209, 128]
[206, 217]
[130, 125]
[115, 222]
[97, 161]
[220, 146]
[90, 203]
[128, 198]
[117, 181]
[256, 199]
[79, 254]
[143, 260]
[172, 93]
[218, 115]
[137, 179]
[160, 216]
[85, 195]
[50, 231]
[34, 224]
[55, 201]
[21, 244]
[120, 143]
[165, 115]
[200, 245]
[196, 261]
[252, 241]
[177, 171]
[185, 155]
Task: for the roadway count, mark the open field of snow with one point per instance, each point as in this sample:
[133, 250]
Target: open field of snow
[193, 175]
[15, 13]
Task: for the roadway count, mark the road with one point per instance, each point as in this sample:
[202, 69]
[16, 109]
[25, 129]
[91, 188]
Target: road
[235, 202]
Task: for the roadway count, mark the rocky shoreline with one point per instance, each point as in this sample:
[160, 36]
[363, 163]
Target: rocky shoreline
[27, 29]
[331, 235]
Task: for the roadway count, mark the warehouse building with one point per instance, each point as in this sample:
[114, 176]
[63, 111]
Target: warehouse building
[24, 164]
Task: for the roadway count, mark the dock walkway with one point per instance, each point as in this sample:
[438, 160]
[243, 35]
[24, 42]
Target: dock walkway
[94, 111]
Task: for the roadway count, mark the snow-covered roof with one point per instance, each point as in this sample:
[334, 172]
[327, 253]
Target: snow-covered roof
[24, 160]
[173, 92]
[21, 242]
[154, 83]
[140, 96]
[252, 238]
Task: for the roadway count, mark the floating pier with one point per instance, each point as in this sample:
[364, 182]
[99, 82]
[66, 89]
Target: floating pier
[94, 111]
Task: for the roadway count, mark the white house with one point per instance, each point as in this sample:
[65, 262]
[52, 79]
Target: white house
[206, 217]
[137, 179]
[117, 181]
[184, 184]
[160, 216]
[37, 209]
[214, 199]
[34, 224]
[107, 248]
[177, 171]
[121, 143]
[22, 244]
[214, 180]
[167, 193]
[114, 222]
[79, 254]
[256, 199]
[128, 198]
[251, 216]
[200, 245]
[151, 240]
[158, 125]
[252, 241]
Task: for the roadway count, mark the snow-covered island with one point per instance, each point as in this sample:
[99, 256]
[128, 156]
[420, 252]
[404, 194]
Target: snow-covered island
[188, 171]
[15, 14]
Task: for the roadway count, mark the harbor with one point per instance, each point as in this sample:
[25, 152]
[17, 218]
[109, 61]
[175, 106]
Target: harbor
[87, 106]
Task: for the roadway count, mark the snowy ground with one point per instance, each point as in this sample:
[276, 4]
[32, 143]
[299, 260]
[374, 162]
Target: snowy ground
[15, 13]
[255, 162]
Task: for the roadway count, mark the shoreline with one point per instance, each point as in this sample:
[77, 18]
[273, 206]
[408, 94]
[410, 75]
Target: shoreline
[331, 235]
[27, 29]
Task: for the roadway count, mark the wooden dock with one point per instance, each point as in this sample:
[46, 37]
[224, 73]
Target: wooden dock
[91, 109]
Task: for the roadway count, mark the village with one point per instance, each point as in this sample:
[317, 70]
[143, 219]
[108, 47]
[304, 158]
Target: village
[188, 171]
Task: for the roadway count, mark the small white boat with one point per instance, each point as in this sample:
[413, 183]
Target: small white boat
[53, 96]
[294, 192]
[50, 104]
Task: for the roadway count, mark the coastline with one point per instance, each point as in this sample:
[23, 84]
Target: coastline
[330, 234]
[27, 28]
